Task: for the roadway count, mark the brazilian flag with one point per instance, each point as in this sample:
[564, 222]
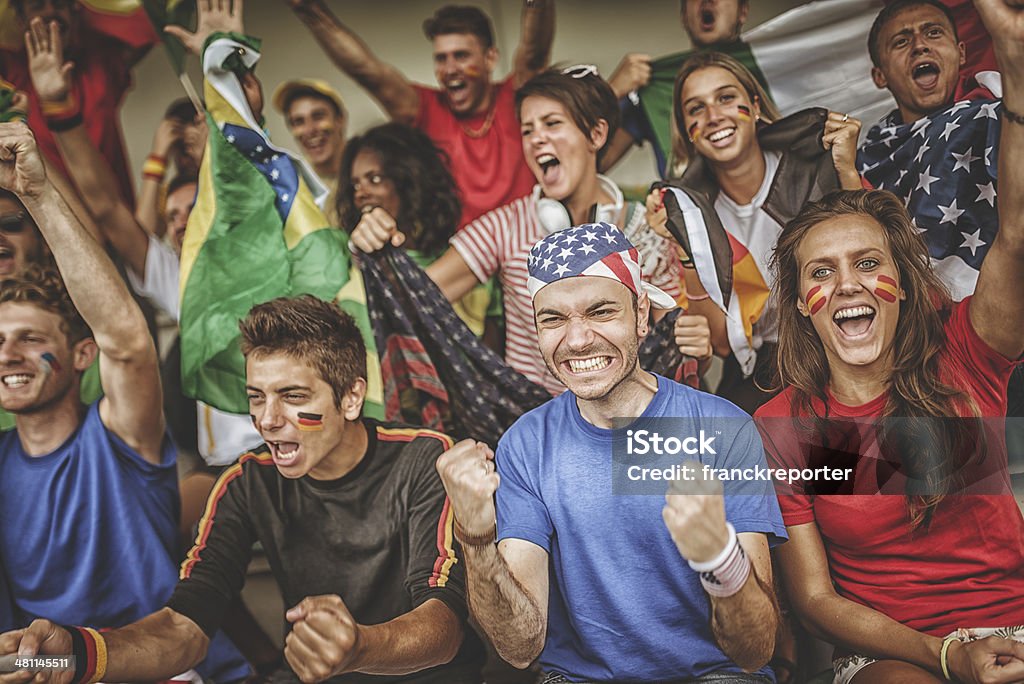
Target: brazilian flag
[255, 233]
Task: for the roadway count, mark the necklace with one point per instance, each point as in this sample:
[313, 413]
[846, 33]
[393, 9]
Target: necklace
[485, 127]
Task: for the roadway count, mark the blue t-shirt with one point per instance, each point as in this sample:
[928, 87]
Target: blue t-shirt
[623, 604]
[89, 535]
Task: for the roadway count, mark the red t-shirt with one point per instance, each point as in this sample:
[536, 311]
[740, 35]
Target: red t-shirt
[490, 169]
[101, 78]
[967, 569]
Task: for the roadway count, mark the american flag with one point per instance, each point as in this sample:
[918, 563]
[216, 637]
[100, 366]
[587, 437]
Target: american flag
[944, 169]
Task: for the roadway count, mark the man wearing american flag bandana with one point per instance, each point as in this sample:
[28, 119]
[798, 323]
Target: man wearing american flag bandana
[598, 586]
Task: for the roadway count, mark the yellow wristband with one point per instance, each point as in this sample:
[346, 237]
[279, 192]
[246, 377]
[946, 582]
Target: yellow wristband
[944, 655]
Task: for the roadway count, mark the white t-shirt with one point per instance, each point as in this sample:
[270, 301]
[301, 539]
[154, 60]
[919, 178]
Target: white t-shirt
[223, 437]
[752, 227]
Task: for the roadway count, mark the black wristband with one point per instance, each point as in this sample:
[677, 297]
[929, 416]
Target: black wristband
[61, 125]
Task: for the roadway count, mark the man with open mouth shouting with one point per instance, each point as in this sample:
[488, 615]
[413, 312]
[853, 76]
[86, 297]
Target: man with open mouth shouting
[351, 513]
[470, 117]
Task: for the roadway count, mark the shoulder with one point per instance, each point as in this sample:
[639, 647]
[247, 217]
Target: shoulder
[531, 426]
[410, 440]
[698, 402]
[779, 406]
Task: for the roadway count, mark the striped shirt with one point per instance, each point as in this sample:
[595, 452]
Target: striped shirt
[500, 240]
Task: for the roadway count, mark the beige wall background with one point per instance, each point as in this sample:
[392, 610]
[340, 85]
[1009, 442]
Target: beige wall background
[591, 31]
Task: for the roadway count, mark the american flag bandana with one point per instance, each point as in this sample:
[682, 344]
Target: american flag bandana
[592, 249]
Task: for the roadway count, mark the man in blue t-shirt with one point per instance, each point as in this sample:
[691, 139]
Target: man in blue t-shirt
[599, 585]
[88, 494]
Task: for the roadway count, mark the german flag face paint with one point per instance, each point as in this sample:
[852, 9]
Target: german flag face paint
[887, 288]
[309, 422]
[815, 299]
[694, 131]
[744, 112]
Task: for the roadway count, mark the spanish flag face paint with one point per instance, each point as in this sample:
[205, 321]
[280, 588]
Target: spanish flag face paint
[311, 422]
[694, 132]
[887, 288]
[815, 299]
[743, 112]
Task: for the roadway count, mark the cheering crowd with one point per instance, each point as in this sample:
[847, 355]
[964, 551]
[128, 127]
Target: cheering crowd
[411, 363]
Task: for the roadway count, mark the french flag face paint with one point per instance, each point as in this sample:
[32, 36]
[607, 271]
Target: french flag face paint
[311, 422]
[815, 299]
[50, 363]
[886, 288]
[744, 112]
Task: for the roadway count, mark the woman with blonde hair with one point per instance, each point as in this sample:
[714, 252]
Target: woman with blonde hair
[754, 170]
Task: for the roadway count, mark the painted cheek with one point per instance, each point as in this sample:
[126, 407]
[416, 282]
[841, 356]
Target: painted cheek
[694, 132]
[887, 289]
[743, 112]
[815, 299]
[310, 422]
[471, 71]
[50, 363]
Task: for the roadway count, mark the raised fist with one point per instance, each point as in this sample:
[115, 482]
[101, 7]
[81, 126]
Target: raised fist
[469, 477]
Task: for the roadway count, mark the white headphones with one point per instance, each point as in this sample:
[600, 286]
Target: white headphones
[554, 215]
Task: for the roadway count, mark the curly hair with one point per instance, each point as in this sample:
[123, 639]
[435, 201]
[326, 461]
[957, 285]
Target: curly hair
[311, 330]
[936, 450]
[43, 287]
[429, 205]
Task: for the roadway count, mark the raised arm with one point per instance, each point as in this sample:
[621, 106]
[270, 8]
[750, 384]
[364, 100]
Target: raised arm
[533, 54]
[89, 170]
[132, 406]
[805, 572]
[507, 583]
[169, 134]
[999, 319]
[349, 53]
[156, 648]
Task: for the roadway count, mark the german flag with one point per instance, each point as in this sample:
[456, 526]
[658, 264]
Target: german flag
[815, 299]
[310, 422]
[887, 288]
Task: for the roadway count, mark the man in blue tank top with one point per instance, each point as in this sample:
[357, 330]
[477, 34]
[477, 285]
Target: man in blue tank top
[88, 493]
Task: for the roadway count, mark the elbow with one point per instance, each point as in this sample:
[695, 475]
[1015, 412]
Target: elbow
[721, 349]
[521, 656]
[450, 648]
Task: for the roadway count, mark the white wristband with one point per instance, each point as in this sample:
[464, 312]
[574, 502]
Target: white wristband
[726, 574]
[705, 566]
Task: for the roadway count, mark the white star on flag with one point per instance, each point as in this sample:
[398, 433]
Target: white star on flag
[231, 138]
[921, 126]
[547, 264]
[973, 241]
[259, 148]
[964, 161]
[950, 214]
[925, 180]
[562, 269]
[609, 237]
[566, 253]
[550, 247]
[570, 238]
[590, 236]
[588, 249]
[958, 106]
[922, 150]
[274, 174]
[988, 110]
[988, 151]
[987, 193]
[284, 197]
[950, 127]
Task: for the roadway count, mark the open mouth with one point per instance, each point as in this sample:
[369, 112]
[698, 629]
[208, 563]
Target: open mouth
[16, 380]
[315, 144]
[707, 20]
[284, 453]
[588, 365]
[722, 135]
[548, 164]
[854, 321]
[926, 74]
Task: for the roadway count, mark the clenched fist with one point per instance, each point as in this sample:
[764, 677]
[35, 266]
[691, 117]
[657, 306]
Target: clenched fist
[21, 167]
[375, 229]
[324, 640]
[693, 336]
[41, 638]
[468, 473]
[694, 514]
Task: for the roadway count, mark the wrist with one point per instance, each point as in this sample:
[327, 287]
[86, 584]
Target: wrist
[154, 168]
[63, 114]
[474, 539]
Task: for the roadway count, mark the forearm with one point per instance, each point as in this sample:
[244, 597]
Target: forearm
[513, 621]
[147, 208]
[92, 281]
[1011, 148]
[536, 35]
[89, 172]
[745, 623]
[702, 305]
[866, 631]
[849, 179]
[429, 635]
[155, 648]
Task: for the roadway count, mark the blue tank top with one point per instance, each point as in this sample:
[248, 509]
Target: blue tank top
[88, 535]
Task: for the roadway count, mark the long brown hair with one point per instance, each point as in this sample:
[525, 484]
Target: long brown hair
[934, 450]
[682, 149]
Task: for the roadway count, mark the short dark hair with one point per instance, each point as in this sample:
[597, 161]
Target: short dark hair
[429, 201]
[43, 287]
[181, 109]
[304, 91]
[312, 331]
[894, 8]
[585, 95]
[181, 180]
[460, 19]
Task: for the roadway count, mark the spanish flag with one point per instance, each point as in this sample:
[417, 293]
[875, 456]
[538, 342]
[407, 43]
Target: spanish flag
[256, 233]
